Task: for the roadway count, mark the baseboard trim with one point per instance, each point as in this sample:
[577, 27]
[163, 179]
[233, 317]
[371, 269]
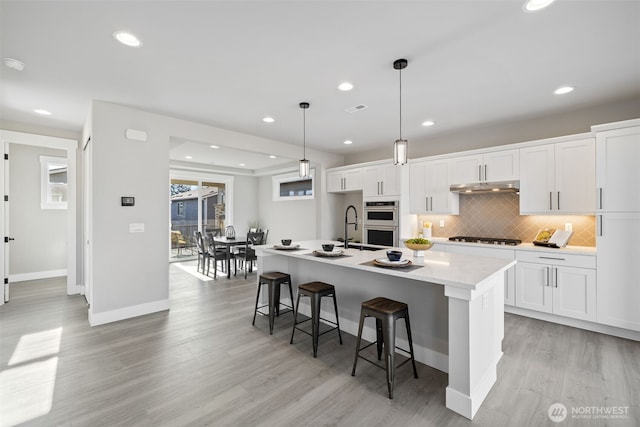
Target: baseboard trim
[110, 316]
[23, 277]
[575, 323]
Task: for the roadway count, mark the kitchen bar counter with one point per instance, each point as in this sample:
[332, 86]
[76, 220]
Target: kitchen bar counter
[455, 302]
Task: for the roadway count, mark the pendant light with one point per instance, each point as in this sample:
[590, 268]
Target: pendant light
[400, 146]
[305, 170]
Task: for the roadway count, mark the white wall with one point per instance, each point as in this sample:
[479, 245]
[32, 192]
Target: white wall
[40, 248]
[245, 204]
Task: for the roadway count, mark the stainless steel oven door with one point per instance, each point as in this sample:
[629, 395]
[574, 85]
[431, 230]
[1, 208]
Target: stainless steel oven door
[377, 215]
[379, 235]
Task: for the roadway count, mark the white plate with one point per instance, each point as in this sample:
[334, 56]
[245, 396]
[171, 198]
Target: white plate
[385, 261]
[286, 248]
[319, 252]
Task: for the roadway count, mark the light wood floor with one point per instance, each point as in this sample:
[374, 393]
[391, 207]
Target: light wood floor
[202, 363]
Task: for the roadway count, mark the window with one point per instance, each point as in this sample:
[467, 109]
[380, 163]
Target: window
[54, 190]
[292, 187]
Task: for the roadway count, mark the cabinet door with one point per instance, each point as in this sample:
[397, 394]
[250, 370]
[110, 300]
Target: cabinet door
[533, 286]
[574, 292]
[537, 179]
[618, 269]
[575, 182]
[618, 173]
[390, 181]
[371, 184]
[353, 180]
[441, 200]
[466, 169]
[335, 182]
[417, 188]
[501, 166]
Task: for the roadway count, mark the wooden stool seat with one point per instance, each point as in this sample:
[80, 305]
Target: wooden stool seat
[273, 279]
[386, 312]
[315, 291]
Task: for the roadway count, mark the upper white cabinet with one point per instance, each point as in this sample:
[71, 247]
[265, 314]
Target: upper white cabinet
[492, 166]
[343, 181]
[558, 178]
[429, 188]
[381, 180]
[618, 170]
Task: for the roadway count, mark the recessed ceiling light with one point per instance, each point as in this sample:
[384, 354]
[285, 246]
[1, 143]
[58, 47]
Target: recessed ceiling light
[214, 146]
[42, 112]
[268, 119]
[535, 5]
[428, 123]
[272, 157]
[14, 64]
[127, 39]
[345, 86]
[242, 164]
[188, 157]
[348, 142]
[563, 90]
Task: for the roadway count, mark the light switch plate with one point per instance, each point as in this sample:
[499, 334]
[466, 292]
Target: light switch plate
[136, 228]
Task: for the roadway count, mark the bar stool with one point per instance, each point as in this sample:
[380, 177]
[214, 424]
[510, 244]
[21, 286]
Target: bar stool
[315, 291]
[274, 279]
[386, 312]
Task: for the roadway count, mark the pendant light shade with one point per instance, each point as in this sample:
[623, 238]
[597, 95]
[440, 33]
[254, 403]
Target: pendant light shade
[305, 169]
[400, 146]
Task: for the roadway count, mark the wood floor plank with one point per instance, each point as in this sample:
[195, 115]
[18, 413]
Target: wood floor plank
[203, 363]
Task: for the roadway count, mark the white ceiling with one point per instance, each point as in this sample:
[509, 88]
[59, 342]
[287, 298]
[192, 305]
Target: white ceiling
[228, 64]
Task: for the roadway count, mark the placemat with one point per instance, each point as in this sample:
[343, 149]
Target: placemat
[406, 269]
[330, 257]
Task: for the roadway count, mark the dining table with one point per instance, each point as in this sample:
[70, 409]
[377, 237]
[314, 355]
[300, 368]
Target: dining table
[229, 244]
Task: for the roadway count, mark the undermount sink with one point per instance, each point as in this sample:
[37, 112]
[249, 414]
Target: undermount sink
[362, 247]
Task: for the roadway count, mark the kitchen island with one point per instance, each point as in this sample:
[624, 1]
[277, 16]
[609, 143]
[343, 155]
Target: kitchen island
[456, 304]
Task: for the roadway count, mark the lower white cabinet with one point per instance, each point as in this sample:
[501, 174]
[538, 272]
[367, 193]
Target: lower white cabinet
[552, 282]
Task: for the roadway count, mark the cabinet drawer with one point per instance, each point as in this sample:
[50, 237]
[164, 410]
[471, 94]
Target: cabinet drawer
[557, 258]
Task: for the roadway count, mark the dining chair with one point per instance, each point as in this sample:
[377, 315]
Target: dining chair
[202, 253]
[216, 252]
[248, 255]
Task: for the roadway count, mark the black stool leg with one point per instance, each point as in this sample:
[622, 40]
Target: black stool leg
[413, 361]
[355, 360]
[379, 337]
[315, 321]
[290, 292]
[295, 317]
[335, 306]
[276, 301]
[272, 306]
[389, 333]
[255, 311]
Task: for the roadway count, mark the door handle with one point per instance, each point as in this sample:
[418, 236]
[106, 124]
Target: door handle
[8, 239]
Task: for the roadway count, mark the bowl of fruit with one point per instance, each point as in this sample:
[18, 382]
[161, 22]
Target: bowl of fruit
[418, 245]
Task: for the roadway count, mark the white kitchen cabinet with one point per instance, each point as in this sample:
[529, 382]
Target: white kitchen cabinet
[558, 178]
[429, 188]
[344, 181]
[493, 166]
[553, 282]
[382, 180]
[618, 170]
[618, 270]
[503, 253]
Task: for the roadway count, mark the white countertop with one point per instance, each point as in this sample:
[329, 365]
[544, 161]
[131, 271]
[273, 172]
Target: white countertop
[457, 270]
[580, 250]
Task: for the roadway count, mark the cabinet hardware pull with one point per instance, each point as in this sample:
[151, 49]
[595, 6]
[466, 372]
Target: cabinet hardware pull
[556, 269]
[479, 173]
[546, 283]
[600, 191]
[558, 200]
[381, 187]
[431, 202]
[426, 203]
[550, 200]
[485, 173]
[550, 257]
[599, 231]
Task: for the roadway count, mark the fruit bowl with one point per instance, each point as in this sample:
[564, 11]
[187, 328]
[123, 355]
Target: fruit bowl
[418, 246]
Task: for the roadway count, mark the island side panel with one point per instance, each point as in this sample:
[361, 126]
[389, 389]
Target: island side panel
[428, 307]
[476, 331]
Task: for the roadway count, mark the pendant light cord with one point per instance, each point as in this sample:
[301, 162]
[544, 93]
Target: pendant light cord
[401, 103]
[304, 133]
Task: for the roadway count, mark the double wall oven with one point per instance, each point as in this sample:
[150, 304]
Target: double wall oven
[381, 223]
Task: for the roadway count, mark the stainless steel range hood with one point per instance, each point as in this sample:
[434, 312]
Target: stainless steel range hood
[486, 187]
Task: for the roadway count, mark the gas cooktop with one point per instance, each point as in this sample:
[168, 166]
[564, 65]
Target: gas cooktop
[486, 240]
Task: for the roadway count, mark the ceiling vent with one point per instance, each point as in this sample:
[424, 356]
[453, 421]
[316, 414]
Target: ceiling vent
[355, 108]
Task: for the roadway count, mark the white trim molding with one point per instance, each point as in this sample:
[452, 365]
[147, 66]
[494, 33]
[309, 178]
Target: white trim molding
[37, 275]
[104, 317]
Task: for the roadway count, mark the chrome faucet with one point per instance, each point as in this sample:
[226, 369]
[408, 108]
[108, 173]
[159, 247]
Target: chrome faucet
[347, 223]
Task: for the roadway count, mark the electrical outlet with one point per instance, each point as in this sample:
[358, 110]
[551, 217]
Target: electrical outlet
[441, 223]
[568, 226]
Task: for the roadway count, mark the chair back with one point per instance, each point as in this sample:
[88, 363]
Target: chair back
[255, 238]
[199, 242]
